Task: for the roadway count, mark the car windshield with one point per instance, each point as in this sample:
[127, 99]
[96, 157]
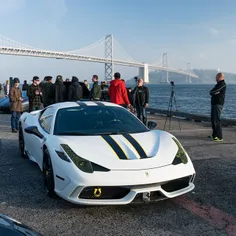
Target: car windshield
[96, 120]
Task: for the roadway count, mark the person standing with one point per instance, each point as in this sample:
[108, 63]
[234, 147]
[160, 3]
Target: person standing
[15, 96]
[217, 102]
[75, 91]
[7, 88]
[86, 84]
[141, 99]
[47, 89]
[25, 86]
[34, 94]
[60, 94]
[96, 92]
[118, 92]
[105, 91]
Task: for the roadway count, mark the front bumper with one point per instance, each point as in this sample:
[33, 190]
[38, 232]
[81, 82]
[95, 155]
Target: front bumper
[158, 186]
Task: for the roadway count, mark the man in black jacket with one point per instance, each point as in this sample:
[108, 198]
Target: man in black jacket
[75, 91]
[140, 100]
[217, 102]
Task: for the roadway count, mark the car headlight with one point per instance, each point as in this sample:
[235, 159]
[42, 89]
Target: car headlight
[181, 156]
[81, 163]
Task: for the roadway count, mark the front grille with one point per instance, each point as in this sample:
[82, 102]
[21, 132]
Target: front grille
[101, 193]
[176, 184]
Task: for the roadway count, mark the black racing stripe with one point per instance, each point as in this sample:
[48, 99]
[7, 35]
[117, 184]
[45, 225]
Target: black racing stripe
[100, 104]
[119, 152]
[136, 145]
[82, 104]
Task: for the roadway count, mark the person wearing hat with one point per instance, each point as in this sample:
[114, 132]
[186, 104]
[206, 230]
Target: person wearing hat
[15, 97]
[118, 92]
[34, 94]
[47, 89]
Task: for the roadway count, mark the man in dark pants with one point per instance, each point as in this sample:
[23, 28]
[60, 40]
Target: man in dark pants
[217, 102]
[140, 100]
[15, 96]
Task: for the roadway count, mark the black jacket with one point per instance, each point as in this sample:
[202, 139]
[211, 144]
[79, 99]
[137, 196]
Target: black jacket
[218, 93]
[59, 92]
[48, 93]
[75, 92]
[140, 99]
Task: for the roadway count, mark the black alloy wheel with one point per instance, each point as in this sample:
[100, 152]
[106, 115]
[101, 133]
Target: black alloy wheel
[21, 142]
[48, 176]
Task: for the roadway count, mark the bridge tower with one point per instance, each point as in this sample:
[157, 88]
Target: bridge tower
[188, 77]
[144, 73]
[165, 75]
[109, 66]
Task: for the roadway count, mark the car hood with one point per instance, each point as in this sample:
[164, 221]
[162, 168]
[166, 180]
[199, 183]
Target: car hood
[132, 152]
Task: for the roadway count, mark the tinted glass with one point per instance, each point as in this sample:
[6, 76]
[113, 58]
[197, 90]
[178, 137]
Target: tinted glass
[96, 120]
[45, 119]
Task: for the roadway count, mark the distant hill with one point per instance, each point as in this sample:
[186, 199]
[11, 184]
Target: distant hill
[204, 77]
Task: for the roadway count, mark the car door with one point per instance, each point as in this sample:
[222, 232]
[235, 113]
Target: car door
[44, 127]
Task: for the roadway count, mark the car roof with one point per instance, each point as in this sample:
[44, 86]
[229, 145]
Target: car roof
[61, 105]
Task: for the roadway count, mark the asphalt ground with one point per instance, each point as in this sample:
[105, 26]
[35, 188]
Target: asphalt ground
[209, 210]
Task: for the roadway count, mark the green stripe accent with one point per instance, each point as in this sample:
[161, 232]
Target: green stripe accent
[119, 152]
[136, 145]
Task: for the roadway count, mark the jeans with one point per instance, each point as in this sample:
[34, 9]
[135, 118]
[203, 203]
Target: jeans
[142, 114]
[15, 116]
[215, 121]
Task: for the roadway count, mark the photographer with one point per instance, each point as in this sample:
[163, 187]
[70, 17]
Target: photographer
[140, 100]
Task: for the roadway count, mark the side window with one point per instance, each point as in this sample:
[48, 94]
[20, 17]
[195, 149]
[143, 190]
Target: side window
[45, 120]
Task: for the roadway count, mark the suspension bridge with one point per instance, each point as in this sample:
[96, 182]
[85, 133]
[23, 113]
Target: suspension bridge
[109, 44]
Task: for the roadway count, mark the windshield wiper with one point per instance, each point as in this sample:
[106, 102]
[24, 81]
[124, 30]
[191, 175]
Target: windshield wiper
[72, 133]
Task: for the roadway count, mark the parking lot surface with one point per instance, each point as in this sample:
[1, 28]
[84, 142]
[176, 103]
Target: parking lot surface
[209, 210]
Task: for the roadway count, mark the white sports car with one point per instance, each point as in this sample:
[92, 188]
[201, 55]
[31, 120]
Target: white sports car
[98, 153]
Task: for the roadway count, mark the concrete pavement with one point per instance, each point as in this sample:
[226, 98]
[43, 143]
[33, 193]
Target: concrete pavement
[209, 210]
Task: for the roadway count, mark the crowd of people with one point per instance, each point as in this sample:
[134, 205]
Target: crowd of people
[45, 93]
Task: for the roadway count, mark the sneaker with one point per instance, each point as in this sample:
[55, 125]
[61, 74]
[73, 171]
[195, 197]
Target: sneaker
[216, 139]
[14, 131]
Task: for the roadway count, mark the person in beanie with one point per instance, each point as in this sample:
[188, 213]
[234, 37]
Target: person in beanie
[34, 94]
[140, 100]
[96, 92]
[15, 97]
[75, 91]
[59, 90]
[118, 92]
[47, 88]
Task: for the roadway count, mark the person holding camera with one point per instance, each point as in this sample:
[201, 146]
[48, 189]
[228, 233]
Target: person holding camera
[140, 100]
[15, 97]
[34, 94]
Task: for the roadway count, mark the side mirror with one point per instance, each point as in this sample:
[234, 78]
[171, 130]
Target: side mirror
[33, 130]
[151, 124]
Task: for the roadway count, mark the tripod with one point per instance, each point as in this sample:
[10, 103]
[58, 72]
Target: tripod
[170, 107]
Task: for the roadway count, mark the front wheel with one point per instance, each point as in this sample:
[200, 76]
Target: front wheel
[48, 176]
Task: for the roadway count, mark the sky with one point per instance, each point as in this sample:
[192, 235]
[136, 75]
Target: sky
[201, 32]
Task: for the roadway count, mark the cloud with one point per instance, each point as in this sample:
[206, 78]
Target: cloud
[214, 31]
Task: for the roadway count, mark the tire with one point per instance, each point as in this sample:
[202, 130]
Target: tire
[48, 176]
[21, 142]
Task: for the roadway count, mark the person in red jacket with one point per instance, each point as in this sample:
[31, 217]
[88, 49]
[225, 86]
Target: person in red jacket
[118, 92]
